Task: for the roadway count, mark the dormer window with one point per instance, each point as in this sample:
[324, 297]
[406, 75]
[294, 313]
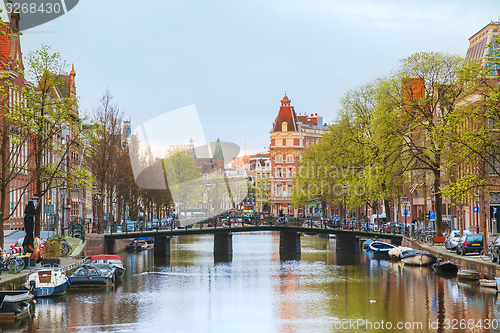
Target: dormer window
[284, 126]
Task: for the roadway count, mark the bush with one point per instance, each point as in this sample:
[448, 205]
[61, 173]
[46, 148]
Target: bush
[52, 249]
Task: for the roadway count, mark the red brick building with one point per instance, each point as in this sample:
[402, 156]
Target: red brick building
[290, 136]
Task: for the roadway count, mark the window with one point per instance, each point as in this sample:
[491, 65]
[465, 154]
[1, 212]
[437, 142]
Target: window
[278, 173]
[268, 175]
[289, 158]
[279, 190]
[258, 175]
[289, 173]
[289, 190]
[279, 158]
[284, 126]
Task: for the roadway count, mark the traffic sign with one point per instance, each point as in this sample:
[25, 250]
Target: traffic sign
[11, 206]
[494, 210]
[432, 215]
[475, 209]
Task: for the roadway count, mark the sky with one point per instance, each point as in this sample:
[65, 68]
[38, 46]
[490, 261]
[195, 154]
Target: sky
[234, 60]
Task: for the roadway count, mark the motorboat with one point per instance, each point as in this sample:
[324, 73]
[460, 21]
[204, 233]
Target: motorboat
[112, 259]
[468, 274]
[150, 241]
[488, 283]
[137, 245]
[417, 258]
[15, 304]
[396, 252]
[49, 281]
[445, 267]
[380, 249]
[93, 276]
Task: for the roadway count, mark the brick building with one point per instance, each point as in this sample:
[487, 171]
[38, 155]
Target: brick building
[290, 136]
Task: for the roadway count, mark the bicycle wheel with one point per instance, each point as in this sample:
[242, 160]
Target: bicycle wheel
[429, 240]
[65, 249]
[16, 265]
[485, 254]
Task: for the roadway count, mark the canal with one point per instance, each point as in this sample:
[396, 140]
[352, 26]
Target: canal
[256, 291]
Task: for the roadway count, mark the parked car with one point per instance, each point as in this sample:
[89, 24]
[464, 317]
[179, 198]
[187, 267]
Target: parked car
[470, 243]
[453, 238]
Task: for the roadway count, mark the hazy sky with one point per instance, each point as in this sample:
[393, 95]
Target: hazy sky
[235, 59]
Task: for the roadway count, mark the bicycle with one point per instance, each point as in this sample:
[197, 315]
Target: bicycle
[12, 262]
[486, 254]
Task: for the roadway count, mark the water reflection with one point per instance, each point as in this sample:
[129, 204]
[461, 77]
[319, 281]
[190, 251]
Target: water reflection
[259, 290]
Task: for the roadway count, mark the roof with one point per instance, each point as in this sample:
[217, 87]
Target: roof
[285, 114]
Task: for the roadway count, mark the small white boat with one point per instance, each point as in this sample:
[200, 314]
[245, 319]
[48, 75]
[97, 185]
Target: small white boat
[395, 252]
[417, 258]
[468, 274]
[380, 249]
[488, 283]
[49, 281]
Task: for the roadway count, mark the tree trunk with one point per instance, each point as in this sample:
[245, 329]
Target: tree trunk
[438, 205]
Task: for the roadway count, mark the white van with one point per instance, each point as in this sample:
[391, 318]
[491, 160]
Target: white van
[382, 219]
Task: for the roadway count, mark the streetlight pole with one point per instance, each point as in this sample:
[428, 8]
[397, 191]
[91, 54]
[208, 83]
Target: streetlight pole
[344, 189]
[405, 204]
[63, 195]
[477, 212]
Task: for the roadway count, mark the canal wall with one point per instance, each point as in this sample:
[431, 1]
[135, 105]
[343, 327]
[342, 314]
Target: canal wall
[488, 268]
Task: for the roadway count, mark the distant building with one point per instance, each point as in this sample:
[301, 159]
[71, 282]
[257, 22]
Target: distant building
[290, 136]
[479, 49]
[259, 168]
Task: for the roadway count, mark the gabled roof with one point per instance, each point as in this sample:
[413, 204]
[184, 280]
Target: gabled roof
[285, 114]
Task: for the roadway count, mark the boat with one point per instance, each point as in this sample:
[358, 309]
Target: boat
[93, 276]
[396, 252]
[380, 249]
[445, 267]
[417, 258]
[15, 304]
[468, 274]
[487, 283]
[150, 241]
[112, 259]
[49, 281]
[137, 245]
[367, 243]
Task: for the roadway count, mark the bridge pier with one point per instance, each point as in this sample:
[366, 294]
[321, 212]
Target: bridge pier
[223, 244]
[109, 246]
[289, 242]
[347, 243]
[162, 245]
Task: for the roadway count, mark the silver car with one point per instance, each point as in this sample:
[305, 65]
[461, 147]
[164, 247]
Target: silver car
[453, 238]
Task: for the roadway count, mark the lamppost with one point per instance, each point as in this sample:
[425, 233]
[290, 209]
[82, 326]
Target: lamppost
[63, 198]
[405, 205]
[477, 212]
[344, 189]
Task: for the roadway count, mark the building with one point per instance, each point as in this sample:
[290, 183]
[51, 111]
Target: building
[11, 68]
[480, 45]
[290, 136]
[260, 170]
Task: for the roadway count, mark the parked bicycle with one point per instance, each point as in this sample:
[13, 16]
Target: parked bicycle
[12, 262]
[486, 254]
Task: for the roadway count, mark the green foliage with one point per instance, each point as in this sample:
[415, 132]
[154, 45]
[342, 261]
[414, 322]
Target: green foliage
[52, 248]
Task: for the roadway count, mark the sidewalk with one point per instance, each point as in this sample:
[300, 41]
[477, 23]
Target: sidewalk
[469, 261]
[11, 281]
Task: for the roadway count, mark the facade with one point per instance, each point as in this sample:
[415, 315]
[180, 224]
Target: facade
[290, 136]
[11, 67]
[480, 47]
[260, 170]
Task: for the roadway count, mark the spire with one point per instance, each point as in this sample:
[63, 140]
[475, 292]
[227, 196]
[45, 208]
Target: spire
[218, 150]
[193, 151]
[285, 101]
[72, 75]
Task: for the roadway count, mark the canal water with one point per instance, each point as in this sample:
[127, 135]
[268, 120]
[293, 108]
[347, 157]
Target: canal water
[257, 291]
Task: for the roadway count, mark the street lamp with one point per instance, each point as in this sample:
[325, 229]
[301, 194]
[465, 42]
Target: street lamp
[344, 189]
[63, 190]
[405, 204]
[477, 212]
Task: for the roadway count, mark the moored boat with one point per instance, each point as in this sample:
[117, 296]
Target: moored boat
[468, 274]
[137, 245]
[93, 276]
[396, 252]
[445, 267]
[417, 258]
[15, 304]
[112, 259]
[367, 243]
[380, 249]
[49, 281]
[150, 241]
[487, 283]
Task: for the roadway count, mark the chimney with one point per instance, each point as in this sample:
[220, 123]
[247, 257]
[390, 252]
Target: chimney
[72, 74]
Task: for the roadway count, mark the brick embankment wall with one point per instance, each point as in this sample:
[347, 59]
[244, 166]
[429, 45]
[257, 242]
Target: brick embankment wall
[95, 244]
[469, 261]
